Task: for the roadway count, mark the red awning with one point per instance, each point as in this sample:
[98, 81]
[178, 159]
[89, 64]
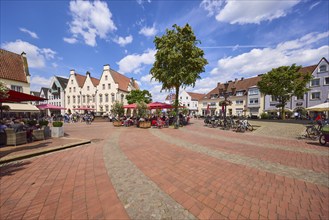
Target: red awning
[50, 106]
[158, 105]
[130, 106]
[14, 96]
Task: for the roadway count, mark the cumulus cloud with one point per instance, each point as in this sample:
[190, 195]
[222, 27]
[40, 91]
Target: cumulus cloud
[32, 34]
[70, 40]
[135, 63]
[39, 81]
[36, 56]
[246, 12]
[302, 51]
[148, 31]
[90, 20]
[123, 41]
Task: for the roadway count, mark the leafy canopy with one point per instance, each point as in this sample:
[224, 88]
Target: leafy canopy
[117, 108]
[3, 90]
[283, 83]
[178, 60]
[137, 96]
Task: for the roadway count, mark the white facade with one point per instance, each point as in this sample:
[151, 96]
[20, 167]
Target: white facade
[185, 99]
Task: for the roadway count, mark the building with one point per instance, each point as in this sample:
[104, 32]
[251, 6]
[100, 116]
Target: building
[14, 72]
[98, 94]
[190, 100]
[243, 94]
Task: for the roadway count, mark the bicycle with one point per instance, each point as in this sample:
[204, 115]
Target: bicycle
[313, 131]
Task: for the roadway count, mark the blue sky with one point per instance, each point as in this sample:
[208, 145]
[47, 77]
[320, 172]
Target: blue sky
[240, 38]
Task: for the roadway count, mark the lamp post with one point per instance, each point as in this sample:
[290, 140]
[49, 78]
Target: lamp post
[225, 93]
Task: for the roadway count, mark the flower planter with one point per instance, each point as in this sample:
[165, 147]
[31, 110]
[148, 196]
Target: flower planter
[57, 132]
[117, 124]
[145, 124]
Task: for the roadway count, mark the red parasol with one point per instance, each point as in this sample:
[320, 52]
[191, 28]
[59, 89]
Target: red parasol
[130, 106]
[158, 105]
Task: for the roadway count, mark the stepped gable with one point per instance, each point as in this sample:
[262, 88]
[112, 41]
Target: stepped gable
[122, 81]
[12, 66]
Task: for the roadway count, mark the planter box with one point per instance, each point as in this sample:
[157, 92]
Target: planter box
[57, 131]
[145, 124]
[117, 123]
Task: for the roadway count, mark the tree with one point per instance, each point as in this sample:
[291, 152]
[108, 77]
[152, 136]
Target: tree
[283, 83]
[3, 90]
[117, 109]
[137, 96]
[178, 60]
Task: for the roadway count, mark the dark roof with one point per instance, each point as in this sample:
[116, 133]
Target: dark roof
[35, 93]
[123, 81]
[13, 66]
[44, 90]
[62, 81]
[307, 69]
[171, 97]
[240, 85]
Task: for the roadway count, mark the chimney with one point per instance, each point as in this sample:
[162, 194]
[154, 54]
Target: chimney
[218, 84]
[88, 73]
[106, 67]
[72, 72]
[242, 78]
[132, 81]
[23, 54]
[236, 79]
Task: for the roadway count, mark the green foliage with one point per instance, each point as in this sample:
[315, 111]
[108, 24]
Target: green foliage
[141, 109]
[185, 111]
[136, 96]
[178, 60]
[3, 90]
[43, 123]
[117, 108]
[284, 82]
[264, 116]
[57, 124]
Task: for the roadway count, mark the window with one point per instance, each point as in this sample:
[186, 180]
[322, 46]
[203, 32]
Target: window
[326, 81]
[84, 99]
[239, 102]
[105, 78]
[253, 101]
[122, 96]
[113, 98]
[315, 95]
[88, 88]
[103, 86]
[71, 81]
[109, 86]
[100, 98]
[323, 68]
[239, 93]
[16, 88]
[68, 100]
[274, 98]
[239, 111]
[253, 92]
[93, 98]
[88, 98]
[70, 89]
[205, 104]
[186, 97]
[106, 108]
[73, 89]
[106, 98]
[180, 97]
[188, 104]
[73, 99]
[301, 97]
[78, 99]
[315, 82]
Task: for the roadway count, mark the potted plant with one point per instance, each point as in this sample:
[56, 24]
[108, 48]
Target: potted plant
[118, 110]
[57, 130]
[44, 125]
[142, 111]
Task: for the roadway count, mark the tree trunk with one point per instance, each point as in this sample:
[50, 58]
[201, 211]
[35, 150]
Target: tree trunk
[283, 114]
[176, 108]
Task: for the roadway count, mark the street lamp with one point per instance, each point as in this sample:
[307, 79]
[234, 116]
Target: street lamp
[225, 93]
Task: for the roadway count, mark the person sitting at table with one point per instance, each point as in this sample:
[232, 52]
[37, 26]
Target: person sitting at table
[17, 126]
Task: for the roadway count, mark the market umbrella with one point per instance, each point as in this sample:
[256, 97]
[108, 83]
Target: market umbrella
[319, 108]
[130, 106]
[158, 105]
[50, 106]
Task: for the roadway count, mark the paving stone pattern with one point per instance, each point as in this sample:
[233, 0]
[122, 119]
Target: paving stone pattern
[192, 172]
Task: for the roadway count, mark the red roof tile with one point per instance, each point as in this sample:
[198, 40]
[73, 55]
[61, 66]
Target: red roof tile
[12, 66]
[122, 81]
[80, 79]
[196, 96]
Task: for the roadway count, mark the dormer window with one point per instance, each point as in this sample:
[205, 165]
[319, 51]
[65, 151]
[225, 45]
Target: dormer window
[71, 81]
[239, 93]
[103, 86]
[109, 86]
[323, 68]
[87, 88]
[105, 78]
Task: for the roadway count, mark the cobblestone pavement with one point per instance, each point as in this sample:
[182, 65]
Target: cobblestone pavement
[192, 172]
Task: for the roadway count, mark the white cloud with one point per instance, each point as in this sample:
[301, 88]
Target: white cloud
[314, 4]
[90, 19]
[55, 65]
[36, 57]
[123, 41]
[300, 51]
[134, 63]
[246, 12]
[70, 40]
[148, 31]
[32, 34]
[38, 82]
[140, 2]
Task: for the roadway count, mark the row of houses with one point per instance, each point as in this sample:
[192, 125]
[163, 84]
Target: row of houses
[247, 100]
[85, 91]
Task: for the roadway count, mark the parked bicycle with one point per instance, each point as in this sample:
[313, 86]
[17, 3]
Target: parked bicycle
[313, 131]
[243, 125]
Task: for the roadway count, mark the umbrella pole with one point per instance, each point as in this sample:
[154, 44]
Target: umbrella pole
[0, 110]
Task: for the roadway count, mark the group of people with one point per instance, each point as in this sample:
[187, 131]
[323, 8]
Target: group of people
[88, 116]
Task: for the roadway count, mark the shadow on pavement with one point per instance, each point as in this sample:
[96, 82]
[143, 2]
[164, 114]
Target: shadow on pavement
[11, 149]
[10, 168]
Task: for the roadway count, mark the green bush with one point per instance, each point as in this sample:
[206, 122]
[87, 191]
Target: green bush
[43, 123]
[264, 116]
[57, 124]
